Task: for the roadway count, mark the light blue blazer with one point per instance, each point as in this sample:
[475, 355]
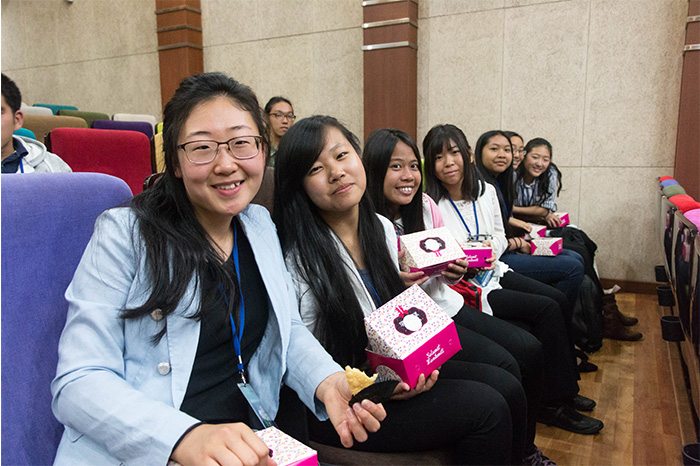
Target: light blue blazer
[118, 393]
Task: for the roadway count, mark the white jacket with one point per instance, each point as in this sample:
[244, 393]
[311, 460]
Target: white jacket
[490, 223]
[39, 159]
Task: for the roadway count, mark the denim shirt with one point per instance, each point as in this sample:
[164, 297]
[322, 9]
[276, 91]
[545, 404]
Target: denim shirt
[117, 392]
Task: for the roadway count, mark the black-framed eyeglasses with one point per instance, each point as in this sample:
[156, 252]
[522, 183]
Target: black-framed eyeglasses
[205, 151]
[280, 116]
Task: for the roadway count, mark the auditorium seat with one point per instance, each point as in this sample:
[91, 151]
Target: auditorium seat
[47, 220]
[159, 127]
[124, 154]
[684, 202]
[135, 117]
[40, 125]
[668, 182]
[27, 133]
[55, 108]
[672, 190]
[89, 117]
[266, 194]
[33, 110]
[141, 126]
[157, 155]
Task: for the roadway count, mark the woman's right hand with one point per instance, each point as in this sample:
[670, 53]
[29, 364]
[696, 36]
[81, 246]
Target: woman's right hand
[222, 444]
[553, 220]
[404, 392]
[410, 278]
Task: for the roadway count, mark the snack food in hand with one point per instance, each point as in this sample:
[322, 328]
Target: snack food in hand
[358, 380]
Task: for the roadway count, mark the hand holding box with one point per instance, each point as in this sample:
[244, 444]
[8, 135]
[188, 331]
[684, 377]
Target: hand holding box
[564, 217]
[430, 251]
[408, 336]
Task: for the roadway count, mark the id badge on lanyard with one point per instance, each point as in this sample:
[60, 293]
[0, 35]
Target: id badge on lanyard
[245, 388]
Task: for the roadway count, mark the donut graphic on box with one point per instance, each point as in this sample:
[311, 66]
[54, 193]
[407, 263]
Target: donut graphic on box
[410, 321]
[432, 244]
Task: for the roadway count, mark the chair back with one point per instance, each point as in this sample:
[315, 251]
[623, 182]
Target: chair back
[47, 220]
[135, 117]
[141, 126]
[42, 124]
[55, 108]
[89, 117]
[157, 153]
[27, 133]
[124, 154]
[266, 194]
[32, 110]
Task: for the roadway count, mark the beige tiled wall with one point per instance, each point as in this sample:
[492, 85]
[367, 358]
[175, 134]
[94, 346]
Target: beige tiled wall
[99, 55]
[600, 79]
[309, 51]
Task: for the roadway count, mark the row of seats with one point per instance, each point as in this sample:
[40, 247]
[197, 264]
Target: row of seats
[71, 110]
[679, 226]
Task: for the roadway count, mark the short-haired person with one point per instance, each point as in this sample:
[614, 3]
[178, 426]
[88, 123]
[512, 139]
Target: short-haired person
[280, 117]
[182, 302]
[21, 154]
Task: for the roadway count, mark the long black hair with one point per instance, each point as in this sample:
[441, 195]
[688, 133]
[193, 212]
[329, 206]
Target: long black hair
[437, 140]
[544, 179]
[176, 245]
[308, 240]
[503, 182]
[376, 158]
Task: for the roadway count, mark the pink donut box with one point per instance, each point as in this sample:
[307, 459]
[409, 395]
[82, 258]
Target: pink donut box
[477, 254]
[564, 217]
[417, 258]
[546, 246]
[538, 231]
[409, 336]
[286, 450]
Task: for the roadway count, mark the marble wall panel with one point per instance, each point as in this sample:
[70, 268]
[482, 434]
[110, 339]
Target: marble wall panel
[460, 63]
[234, 21]
[319, 73]
[127, 84]
[619, 211]
[544, 74]
[633, 82]
[429, 8]
[569, 199]
[48, 32]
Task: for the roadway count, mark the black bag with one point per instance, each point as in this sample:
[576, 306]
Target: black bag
[588, 317]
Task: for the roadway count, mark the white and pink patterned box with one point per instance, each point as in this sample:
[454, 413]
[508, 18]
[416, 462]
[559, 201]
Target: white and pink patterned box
[564, 217]
[538, 231]
[430, 251]
[409, 336]
[477, 254]
[286, 450]
[546, 246]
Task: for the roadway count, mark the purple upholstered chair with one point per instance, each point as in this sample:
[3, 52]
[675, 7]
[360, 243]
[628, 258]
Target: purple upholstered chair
[47, 220]
[142, 126]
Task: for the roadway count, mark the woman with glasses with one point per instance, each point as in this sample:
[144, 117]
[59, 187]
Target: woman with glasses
[181, 309]
[518, 147]
[280, 117]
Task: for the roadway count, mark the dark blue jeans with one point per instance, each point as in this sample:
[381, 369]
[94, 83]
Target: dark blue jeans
[564, 272]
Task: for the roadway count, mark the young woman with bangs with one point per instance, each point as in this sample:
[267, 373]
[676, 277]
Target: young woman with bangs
[470, 209]
[343, 259]
[392, 163]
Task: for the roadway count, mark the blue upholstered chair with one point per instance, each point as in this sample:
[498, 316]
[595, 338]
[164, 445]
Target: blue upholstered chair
[47, 220]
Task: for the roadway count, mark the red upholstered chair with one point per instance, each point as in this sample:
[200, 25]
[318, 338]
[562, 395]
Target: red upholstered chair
[664, 178]
[124, 154]
[684, 202]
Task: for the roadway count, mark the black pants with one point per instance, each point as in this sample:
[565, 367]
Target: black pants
[520, 345]
[535, 306]
[470, 417]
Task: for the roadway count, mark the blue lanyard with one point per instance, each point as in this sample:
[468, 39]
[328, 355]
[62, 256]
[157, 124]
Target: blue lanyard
[21, 166]
[238, 336]
[476, 218]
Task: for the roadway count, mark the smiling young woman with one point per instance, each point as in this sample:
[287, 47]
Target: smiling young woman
[154, 343]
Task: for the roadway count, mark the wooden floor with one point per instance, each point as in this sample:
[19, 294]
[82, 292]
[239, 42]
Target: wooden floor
[646, 419]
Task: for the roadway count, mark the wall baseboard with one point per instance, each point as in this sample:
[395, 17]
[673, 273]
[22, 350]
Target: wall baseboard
[631, 286]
